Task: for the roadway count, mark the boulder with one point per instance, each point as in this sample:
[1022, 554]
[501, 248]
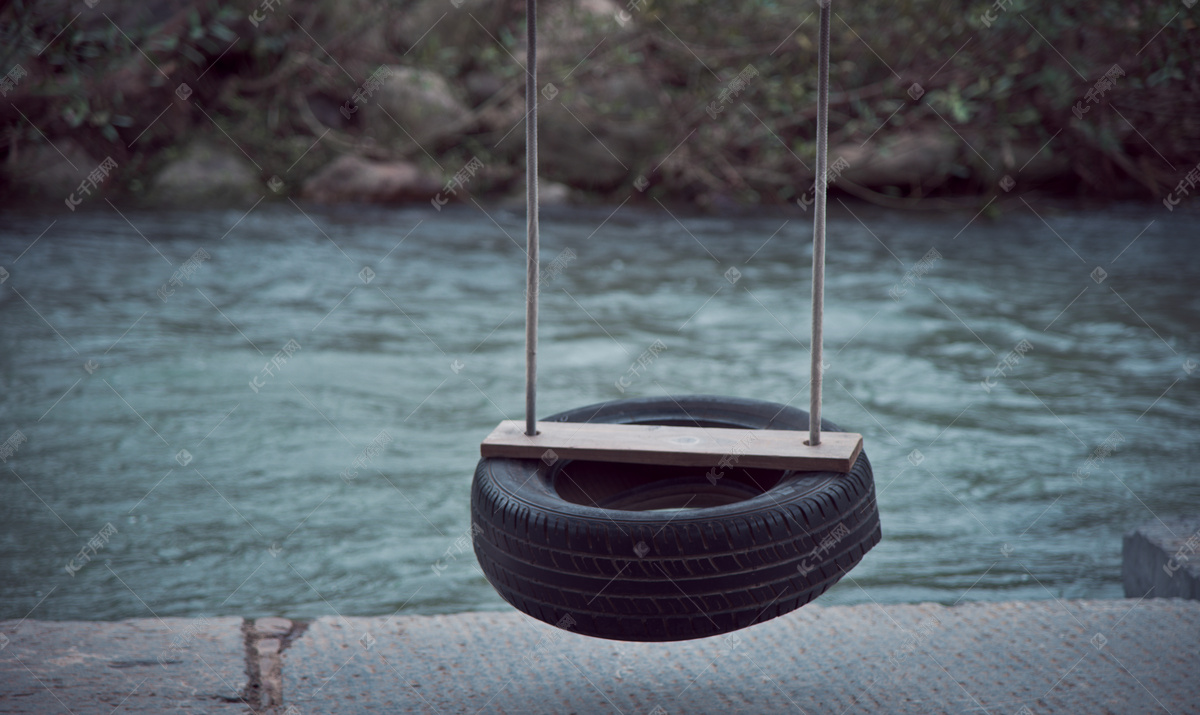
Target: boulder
[481, 86]
[550, 193]
[1028, 162]
[448, 26]
[420, 101]
[206, 175]
[41, 170]
[357, 180]
[901, 158]
[594, 133]
[444, 28]
[568, 30]
[338, 26]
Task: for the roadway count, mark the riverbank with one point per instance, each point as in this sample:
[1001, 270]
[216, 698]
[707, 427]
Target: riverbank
[1049, 656]
[193, 102]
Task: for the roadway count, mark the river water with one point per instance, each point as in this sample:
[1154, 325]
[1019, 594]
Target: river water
[232, 488]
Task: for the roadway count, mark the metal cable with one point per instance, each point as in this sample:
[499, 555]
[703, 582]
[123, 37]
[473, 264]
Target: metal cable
[819, 187]
[531, 233]
[531, 218]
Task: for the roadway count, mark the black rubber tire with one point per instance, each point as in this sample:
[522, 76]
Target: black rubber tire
[753, 554]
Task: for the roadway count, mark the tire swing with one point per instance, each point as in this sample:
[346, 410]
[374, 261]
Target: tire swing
[664, 519]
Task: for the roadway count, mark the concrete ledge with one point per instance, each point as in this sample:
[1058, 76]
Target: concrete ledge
[137, 666]
[1017, 657]
[1161, 559]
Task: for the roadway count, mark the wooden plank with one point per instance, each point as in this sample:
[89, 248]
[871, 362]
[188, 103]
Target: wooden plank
[683, 446]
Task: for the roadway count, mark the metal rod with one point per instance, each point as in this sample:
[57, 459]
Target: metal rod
[531, 218]
[820, 187]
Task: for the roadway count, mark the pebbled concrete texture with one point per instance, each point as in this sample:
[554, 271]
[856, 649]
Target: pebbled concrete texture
[173, 665]
[1120, 656]
[1161, 559]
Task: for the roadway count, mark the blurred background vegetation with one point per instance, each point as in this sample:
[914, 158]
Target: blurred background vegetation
[930, 97]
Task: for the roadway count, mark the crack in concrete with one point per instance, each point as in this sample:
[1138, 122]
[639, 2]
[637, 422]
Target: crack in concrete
[265, 641]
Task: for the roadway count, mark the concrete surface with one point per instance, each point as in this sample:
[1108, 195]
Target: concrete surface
[1121, 656]
[1161, 559]
[173, 665]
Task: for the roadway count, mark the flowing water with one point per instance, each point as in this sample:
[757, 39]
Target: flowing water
[232, 482]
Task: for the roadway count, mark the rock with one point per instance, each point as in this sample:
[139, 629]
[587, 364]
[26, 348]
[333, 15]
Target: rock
[354, 179]
[333, 22]
[1161, 559]
[570, 29]
[420, 101]
[898, 159]
[550, 193]
[593, 134]
[444, 28]
[206, 174]
[41, 170]
[1034, 163]
[481, 86]
[448, 26]
[606, 9]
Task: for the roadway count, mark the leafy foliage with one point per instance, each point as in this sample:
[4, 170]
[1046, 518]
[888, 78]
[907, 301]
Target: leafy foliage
[1005, 81]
